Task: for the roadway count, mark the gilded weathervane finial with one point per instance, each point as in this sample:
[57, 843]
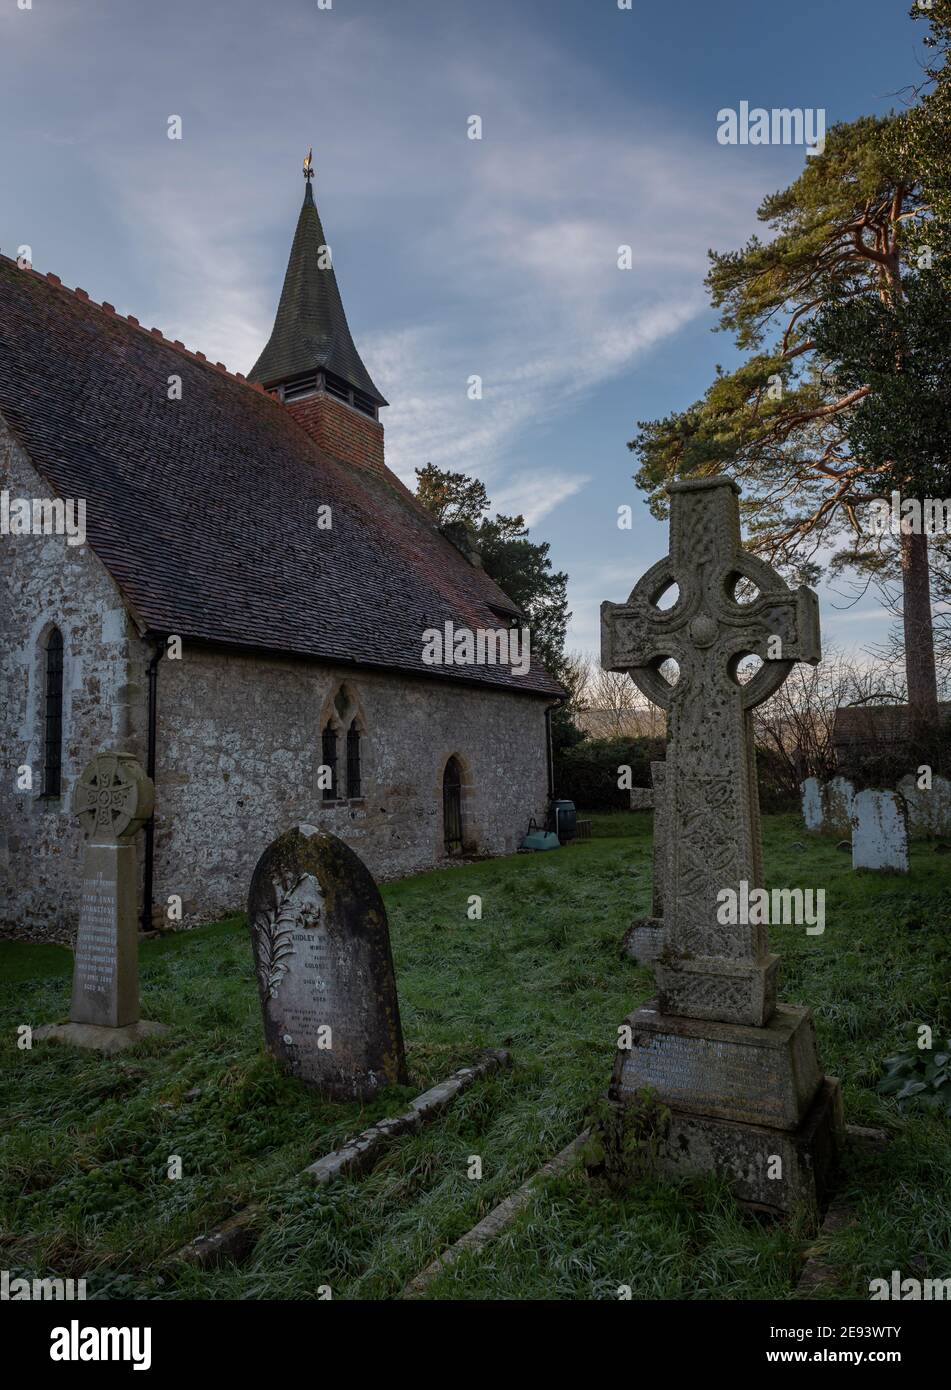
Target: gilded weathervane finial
[309, 164]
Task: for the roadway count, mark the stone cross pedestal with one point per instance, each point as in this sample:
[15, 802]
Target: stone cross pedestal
[738, 1074]
[113, 799]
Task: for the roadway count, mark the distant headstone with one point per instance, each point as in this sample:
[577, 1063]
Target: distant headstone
[324, 967]
[929, 808]
[714, 1075]
[644, 939]
[642, 798]
[837, 797]
[827, 806]
[880, 831]
[113, 799]
[812, 805]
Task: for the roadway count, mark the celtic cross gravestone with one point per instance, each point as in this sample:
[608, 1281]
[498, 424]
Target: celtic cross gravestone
[112, 800]
[716, 1047]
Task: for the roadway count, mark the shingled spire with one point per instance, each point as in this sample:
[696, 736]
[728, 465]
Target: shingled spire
[310, 349]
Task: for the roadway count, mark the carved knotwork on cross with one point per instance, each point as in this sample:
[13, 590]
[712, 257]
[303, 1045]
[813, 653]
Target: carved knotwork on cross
[709, 970]
[113, 797]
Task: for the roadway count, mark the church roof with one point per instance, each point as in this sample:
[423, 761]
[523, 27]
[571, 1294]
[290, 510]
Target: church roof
[205, 510]
[876, 724]
[310, 330]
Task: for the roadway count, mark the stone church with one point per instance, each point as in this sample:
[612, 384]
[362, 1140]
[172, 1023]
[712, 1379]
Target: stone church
[245, 611]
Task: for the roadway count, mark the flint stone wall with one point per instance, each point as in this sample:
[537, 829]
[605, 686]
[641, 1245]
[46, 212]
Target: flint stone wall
[239, 751]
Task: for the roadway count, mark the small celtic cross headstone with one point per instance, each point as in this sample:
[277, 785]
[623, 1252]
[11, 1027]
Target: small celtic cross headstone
[112, 801]
[711, 971]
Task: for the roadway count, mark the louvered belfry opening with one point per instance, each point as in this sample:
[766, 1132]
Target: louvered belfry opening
[53, 733]
[452, 806]
[325, 383]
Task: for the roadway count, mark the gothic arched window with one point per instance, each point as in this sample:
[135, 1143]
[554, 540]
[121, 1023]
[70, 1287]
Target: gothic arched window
[452, 806]
[353, 761]
[329, 759]
[53, 710]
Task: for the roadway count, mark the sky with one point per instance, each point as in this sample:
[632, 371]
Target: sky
[456, 257]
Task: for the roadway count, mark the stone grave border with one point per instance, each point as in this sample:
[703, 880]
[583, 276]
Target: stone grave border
[360, 1154]
[814, 1274]
[233, 1238]
[498, 1218]
[817, 1273]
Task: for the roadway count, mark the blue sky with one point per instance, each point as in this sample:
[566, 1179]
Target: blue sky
[455, 257]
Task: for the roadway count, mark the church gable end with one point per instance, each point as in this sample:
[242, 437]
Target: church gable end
[71, 683]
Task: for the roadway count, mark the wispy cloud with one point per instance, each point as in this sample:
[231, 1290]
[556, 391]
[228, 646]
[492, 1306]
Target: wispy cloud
[495, 258]
[534, 495]
[502, 261]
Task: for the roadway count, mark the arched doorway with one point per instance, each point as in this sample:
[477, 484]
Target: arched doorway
[452, 806]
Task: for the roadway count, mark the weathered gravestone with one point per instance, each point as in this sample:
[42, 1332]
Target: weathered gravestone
[644, 939]
[324, 968]
[726, 1078]
[113, 799]
[811, 793]
[880, 831]
[929, 807]
[838, 795]
[827, 806]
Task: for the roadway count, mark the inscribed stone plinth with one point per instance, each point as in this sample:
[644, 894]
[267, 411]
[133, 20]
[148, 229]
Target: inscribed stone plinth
[725, 1070]
[880, 831]
[324, 967]
[644, 939]
[726, 1066]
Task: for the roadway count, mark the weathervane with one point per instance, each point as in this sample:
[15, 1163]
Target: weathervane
[309, 165]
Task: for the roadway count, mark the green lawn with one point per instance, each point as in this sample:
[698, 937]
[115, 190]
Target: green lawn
[83, 1158]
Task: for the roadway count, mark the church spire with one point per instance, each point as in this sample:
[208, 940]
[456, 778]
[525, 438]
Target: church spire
[310, 348]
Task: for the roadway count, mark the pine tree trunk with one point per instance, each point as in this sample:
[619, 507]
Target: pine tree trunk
[919, 635]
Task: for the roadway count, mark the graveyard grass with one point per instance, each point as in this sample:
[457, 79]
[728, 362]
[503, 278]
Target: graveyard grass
[83, 1162]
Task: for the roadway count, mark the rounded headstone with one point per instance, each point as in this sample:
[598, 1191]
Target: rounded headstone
[324, 966]
[880, 831]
